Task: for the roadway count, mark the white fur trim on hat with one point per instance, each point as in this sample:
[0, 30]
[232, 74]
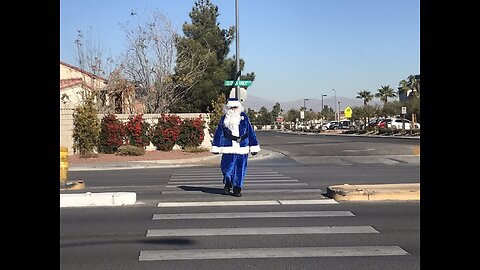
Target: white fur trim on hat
[233, 103]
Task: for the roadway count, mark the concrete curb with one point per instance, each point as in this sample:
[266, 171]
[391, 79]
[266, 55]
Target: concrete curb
[378, 192]
[98, 199]
[143, 164]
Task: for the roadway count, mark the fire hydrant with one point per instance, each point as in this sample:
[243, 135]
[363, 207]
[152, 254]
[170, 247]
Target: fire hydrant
[63, 164]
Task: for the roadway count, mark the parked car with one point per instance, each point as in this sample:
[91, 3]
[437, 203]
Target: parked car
[330, 125]
[345, 124]
[397, 123]
[384, 123]
[373, 122]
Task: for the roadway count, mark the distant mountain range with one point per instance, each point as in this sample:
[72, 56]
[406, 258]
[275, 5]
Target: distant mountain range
[256, 103]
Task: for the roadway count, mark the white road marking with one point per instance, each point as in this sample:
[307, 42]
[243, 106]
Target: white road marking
[259, 231]
[195, 178]
[254, 215]
[257, 253]
[359, 150]
[243, 203]
[250, 184]
[221, 184]
[192, 192]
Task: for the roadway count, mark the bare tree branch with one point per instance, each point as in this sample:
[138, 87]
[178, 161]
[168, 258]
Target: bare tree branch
[151, 60]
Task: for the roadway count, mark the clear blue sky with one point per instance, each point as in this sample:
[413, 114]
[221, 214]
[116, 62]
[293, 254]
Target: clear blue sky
[297, 48]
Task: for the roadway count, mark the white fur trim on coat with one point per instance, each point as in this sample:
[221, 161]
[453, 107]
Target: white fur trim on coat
[255, 148]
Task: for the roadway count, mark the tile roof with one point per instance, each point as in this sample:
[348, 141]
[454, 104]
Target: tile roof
[67, 83]
[83, 71]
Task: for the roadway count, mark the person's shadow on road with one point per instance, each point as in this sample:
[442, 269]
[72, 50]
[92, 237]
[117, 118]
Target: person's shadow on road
[203, 189]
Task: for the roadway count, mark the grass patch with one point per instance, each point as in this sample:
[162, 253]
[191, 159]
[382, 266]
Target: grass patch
[195, 149]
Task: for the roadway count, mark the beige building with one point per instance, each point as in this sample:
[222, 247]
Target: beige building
[75, 83]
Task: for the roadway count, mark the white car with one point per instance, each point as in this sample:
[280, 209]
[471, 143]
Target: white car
[330, 125]
[398, 124]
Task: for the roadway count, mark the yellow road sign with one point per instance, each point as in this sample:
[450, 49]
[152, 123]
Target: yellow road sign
[348, 112]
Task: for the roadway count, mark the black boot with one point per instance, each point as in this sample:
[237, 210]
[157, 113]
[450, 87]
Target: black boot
[227, 188]
[237, 191]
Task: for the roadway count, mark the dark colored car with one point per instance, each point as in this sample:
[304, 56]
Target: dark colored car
[384, 123]
[345, 124]
[373, 122]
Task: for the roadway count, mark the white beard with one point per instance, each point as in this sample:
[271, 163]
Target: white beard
[232, 121]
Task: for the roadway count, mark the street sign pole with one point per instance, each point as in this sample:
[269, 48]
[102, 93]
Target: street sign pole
[237, 42]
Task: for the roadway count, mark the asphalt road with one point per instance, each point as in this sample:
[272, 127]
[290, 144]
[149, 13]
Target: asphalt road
[281, 222]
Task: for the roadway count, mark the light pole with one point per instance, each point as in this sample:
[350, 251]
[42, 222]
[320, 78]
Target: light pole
[321, 111]
[304, 108]
[339, 111]
[335, 104]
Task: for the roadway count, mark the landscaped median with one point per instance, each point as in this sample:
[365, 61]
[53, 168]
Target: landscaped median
[377, 192]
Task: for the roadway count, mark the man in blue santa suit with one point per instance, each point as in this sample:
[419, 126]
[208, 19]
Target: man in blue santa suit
[234, 138]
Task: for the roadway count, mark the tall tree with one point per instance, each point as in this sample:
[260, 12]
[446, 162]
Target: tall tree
[231, 66]
[276, 110]
[205, 35]
[367, 96]
[385, 92]
[90, 58]
[264, 116]
[151, 60]
[410, 87]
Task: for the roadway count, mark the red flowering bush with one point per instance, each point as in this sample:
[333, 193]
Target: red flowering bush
[164, 134]
[191, 132]
[111, 135]
[137, 131]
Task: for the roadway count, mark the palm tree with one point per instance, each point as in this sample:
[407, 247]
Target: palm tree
[410, 87]
[385, 92]
[414, 84]
[403, 88]
[366, 96]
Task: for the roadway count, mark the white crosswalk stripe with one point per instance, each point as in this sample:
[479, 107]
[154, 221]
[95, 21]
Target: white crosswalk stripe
[251, 253]
[254, 215]
[207, 186]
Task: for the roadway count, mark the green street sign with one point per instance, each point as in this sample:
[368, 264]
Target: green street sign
[239, 83]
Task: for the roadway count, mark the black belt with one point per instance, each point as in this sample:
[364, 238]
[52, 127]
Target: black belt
[235, 138]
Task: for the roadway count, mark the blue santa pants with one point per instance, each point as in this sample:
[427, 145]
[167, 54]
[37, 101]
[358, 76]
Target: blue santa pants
[234, 168]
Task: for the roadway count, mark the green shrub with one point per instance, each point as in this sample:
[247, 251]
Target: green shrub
[112, 133]
[164, 134]
[130, 150]
[137, 131]
[191, 132]
[216, 113]
[86, 128]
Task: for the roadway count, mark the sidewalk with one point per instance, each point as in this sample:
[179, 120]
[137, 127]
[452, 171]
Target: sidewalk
[153, 159]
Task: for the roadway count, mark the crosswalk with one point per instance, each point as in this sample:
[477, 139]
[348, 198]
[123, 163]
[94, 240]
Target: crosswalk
[191, 189]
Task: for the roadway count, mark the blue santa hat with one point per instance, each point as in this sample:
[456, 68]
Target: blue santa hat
[233, 102]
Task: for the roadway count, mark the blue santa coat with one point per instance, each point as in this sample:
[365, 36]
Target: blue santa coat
[224, 145]
[235, 155]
